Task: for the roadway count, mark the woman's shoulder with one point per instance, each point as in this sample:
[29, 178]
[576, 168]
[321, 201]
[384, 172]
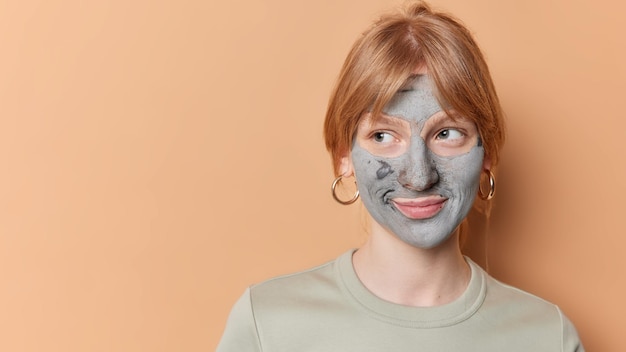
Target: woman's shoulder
[512, 304]
[502, 295]
[528, 315]
[299, 287]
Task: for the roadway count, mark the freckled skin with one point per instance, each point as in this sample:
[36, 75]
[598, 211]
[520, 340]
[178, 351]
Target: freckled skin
[418, 173]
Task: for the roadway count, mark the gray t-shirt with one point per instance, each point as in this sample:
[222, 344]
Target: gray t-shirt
[328, 309]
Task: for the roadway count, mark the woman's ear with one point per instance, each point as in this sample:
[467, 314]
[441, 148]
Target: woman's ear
[346, 169]
[486, 163]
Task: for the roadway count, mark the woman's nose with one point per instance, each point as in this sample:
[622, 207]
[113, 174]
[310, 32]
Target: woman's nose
[419, 172]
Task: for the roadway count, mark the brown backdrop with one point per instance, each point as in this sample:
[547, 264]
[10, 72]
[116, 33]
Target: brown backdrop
[157, 157]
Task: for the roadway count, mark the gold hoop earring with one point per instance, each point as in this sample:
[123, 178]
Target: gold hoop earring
[344, 202]
[492, 186]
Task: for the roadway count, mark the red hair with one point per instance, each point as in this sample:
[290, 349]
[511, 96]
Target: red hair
[389, 52]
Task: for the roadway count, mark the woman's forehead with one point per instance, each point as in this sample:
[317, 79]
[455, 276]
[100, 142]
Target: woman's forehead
[415, 102]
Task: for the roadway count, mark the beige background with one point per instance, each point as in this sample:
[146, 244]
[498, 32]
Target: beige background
[156, 157]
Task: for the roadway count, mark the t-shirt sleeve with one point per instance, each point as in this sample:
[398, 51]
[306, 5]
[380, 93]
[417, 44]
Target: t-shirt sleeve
[240, 334]
[571, 341]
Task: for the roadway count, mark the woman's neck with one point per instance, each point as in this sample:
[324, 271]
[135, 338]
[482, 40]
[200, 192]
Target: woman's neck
[400, 273]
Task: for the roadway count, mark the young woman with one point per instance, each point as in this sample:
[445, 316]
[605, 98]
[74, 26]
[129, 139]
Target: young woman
[416, 121]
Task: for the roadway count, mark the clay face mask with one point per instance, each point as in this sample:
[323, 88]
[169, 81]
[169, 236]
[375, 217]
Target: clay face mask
[417, 168]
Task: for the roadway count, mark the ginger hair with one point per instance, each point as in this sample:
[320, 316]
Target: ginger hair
[386, 55]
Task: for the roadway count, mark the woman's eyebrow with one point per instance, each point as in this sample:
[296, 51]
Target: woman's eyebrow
[436, 119]
[443, 116]
[438, 116]
[390, 120]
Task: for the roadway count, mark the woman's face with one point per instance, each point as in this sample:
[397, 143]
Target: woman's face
[417, 169]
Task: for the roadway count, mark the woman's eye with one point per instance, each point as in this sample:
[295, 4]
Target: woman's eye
[383, 137]
[449, 134]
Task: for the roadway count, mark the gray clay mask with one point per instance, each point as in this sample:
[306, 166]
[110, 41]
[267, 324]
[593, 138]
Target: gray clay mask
[416, 167]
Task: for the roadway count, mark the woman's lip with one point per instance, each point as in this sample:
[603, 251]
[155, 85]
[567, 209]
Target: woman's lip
[419, 208]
